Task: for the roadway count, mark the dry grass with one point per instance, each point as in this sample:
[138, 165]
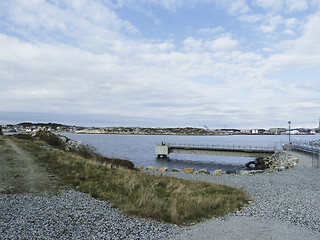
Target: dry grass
[140, 194]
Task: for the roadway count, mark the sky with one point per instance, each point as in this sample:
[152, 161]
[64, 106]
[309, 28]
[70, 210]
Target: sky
[161, 63]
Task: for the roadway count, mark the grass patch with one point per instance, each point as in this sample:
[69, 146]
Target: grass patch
[140, 194]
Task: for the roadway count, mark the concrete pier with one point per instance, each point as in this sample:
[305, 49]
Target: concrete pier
[164, 149]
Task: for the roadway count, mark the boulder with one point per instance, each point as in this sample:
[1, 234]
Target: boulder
[218, 172]
[203, 171]
[163, 169]
[176, 170]
[141, 168]
[244, 172]
[73, 145]
[231, 172]
[152, 168]
[188, 170]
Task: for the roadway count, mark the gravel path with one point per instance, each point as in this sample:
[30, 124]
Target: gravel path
[71, 215]
[18, 171]
[286, 205]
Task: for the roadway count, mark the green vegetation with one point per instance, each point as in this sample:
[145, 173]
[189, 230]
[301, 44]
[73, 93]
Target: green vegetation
[136, 193]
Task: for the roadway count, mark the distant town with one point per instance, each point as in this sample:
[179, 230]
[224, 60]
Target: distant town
[28, 127]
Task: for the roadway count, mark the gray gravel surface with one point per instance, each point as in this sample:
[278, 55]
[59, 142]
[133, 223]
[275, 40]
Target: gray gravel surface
[286, 205]
[71, 215]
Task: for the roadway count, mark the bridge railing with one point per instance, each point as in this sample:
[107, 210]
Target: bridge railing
[306, 147]
[212, 146]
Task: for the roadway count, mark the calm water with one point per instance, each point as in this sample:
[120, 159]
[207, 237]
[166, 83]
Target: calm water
[140, 149]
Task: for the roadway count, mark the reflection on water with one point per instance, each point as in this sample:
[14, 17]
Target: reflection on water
[198, 164]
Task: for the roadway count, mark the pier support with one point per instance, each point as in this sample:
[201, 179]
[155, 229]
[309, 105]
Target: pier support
[162, 150]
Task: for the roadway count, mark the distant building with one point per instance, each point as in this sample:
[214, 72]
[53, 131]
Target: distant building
[277, 130]
[293, 132]
[253, 131]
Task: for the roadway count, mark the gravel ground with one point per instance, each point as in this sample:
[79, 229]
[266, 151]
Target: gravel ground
[285, 206]
[71, 215]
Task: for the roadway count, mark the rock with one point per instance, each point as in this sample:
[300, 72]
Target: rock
[231, 172]
[244, 172]
[63, 139]
[188, 170]
[203, 171]
[73, 145]
[152, 168]
[256, 171]
[176, 170]
[218, 172]
[141, 168]
[163, 169]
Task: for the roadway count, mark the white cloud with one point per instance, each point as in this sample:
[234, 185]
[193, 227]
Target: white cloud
[234, 7]
[237, 7]
[296, 5]
[251, 18]
[309, 41]
[76, 22]
[193, 45]
[302, 52]
[211, 31]
[288, 32]
[223, 44]
[274, 5]
[315, 4]
[291, 22]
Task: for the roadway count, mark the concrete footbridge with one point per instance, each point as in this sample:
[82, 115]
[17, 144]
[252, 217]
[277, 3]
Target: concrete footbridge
[164, 149]
[313, 150]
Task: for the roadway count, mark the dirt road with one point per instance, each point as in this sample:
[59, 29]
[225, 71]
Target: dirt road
[19, 173]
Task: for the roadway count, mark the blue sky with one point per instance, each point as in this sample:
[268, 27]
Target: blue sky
[161, 63]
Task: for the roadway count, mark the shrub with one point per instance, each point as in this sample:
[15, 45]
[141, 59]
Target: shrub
[25, 136]
[50, 138]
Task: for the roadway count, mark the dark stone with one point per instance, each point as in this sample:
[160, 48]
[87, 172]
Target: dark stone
[259, 164]
[231, 172]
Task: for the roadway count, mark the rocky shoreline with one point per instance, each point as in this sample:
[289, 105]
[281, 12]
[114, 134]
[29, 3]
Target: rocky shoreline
[279, 161]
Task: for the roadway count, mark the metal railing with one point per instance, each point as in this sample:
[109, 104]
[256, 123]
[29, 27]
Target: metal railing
[308, 148]
[229, 147]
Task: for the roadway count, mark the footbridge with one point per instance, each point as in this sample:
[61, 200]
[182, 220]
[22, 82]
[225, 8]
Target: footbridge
[164, 149]
[313, 150]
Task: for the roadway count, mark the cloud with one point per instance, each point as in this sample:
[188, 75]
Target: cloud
[288, 32]
[291, 22]
[83, 58]
[76, 23]
[283, 5]
[234, 7]
[273, 5]
[223, 44]
[296, 5]
[211, 31]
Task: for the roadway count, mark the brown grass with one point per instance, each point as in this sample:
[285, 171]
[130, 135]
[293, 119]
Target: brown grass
[140, 194]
